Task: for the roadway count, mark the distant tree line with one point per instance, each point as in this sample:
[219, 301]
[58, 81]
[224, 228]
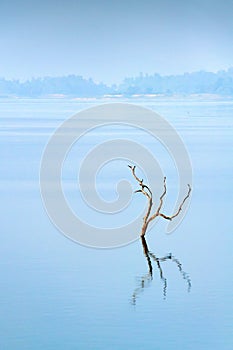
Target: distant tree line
[188, 83]
[72, 85]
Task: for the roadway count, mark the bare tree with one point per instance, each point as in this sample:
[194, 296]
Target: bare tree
[146, 191]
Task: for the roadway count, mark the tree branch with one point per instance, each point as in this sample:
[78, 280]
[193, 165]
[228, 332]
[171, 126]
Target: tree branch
[148, 194]
[180, 207]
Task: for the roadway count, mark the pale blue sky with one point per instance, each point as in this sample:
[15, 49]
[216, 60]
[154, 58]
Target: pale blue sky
[110, 40]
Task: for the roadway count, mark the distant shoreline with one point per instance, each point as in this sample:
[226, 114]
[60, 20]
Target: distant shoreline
[118, 97]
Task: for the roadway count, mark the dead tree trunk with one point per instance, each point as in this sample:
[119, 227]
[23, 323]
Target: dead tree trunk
[146, 191]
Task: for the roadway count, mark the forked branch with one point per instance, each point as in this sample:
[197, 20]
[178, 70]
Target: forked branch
[146, 191]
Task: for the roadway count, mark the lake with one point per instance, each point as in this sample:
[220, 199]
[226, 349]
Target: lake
[171, 291]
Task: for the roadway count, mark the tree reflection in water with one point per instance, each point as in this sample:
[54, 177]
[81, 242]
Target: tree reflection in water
[146, 280]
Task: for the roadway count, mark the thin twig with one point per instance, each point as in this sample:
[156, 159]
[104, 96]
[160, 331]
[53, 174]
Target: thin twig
[149, 197]
[164, 192]
[157, 213]
[139, 181]
[180, 207]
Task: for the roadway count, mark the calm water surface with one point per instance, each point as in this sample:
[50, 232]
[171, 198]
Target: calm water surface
[170, 292]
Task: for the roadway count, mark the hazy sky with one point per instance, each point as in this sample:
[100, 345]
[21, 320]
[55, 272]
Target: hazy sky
[108, 40]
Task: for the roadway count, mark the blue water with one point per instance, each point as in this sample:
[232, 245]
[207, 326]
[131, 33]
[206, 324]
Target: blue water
[57, 294]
